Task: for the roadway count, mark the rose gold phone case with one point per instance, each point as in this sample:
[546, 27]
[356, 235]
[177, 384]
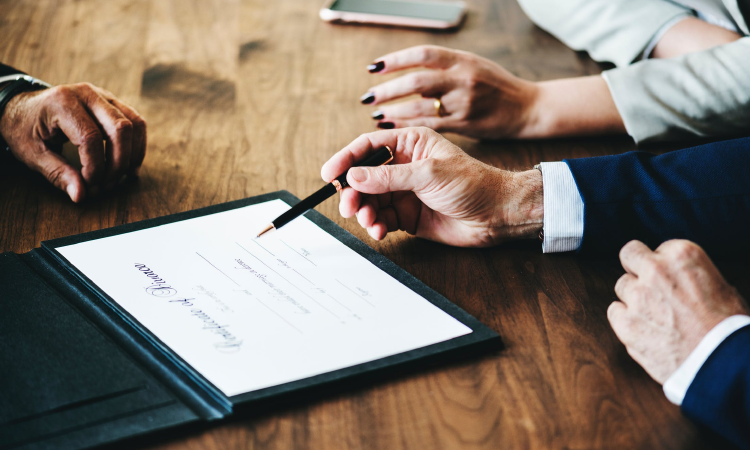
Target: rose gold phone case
[330, 15]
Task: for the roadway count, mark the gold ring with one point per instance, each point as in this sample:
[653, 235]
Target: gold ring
[438, 107]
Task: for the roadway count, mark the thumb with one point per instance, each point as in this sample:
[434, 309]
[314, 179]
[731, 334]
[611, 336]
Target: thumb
[61, 174]
[382, 179]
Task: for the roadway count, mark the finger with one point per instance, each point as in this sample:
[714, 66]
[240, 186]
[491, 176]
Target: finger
[428, 84]
[76, 123]
[368, 213]
[409, 110]
[624, 285]
[388, 216]
[634, 256]
[616, 314]
[382, 179]
[408, 208]
[350, 202]
[361, 147]
[138, 150]
[434, 123]
[61, 174]
[378, 230]
[118, 130]
[429, 56]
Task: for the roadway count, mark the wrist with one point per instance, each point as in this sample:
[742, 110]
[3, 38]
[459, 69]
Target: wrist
[520, 206]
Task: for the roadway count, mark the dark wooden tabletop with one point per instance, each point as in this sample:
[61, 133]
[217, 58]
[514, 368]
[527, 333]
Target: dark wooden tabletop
[244, 97]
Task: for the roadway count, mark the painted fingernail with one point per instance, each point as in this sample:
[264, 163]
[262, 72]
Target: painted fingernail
[358, 174]
[378, 115]
[386, 125]
[367, 98]
[376, 67]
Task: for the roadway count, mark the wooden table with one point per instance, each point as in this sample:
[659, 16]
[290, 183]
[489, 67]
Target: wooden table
[244, 97]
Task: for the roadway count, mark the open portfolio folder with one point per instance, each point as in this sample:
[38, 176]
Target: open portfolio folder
[189, 317]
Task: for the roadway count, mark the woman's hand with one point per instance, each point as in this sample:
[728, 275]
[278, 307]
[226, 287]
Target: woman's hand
[36, 124]
[434, 190]
[481, 99]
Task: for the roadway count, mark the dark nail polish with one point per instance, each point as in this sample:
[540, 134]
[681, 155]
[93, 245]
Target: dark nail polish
[367, 98]
[378, 115]
[386, 125]
[376, 67]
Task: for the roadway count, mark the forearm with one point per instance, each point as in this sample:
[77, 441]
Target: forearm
[691, 35]
[573, 107]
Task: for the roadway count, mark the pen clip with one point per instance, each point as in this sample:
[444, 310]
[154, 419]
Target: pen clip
[391, 153]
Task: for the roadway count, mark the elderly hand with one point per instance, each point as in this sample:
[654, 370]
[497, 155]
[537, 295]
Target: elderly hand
[36, 124]
[436, 191]
[481, 99]
[671, 298]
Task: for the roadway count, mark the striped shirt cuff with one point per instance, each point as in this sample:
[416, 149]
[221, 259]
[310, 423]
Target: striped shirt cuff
[563, 209]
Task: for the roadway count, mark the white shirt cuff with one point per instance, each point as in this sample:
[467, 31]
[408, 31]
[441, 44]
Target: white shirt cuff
[678, 383]
[563, 209]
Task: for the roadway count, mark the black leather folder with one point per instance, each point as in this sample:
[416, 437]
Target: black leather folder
[77, 371]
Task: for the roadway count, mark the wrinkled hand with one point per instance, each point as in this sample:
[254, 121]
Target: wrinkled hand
[36, 124]
[671, 298]
[434, 190]
[479, 98]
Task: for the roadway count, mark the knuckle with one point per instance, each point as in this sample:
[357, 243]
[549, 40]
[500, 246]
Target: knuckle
[85, 86]
[61, 93]
[55, 175]
[138, 122]
[424, 52]
[123, 126]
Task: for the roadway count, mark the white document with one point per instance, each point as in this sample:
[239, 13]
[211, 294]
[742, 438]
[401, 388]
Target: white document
[250, 313]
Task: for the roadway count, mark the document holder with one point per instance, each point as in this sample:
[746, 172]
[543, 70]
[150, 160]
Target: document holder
[76, 370]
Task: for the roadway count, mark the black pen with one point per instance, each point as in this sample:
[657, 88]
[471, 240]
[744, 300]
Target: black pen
[383, 156]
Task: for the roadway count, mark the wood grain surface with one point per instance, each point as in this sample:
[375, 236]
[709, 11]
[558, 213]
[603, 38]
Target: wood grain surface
[244, 97]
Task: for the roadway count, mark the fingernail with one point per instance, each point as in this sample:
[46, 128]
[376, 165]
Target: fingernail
[72, 192]
[378, 115]
[376, 67]
[386, 125]
[367, 98]
[358, 174]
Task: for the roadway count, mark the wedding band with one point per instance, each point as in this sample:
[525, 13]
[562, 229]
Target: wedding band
[438, 107]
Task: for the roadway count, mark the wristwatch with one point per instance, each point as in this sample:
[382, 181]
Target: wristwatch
[16, 84]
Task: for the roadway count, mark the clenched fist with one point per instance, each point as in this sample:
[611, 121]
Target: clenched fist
[670, 299]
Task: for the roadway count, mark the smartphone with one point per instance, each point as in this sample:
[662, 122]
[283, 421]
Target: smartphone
[405, 13]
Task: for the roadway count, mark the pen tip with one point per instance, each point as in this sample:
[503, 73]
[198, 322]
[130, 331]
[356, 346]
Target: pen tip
[265, 230]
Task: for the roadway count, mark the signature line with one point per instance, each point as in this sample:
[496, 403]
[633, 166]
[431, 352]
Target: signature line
[295, 251]
[204, 258]
[353, 292]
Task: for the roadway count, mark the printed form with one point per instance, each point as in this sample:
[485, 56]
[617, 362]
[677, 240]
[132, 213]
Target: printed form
[250, 313]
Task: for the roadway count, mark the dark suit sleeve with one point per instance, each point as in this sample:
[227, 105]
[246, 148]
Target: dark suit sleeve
[719, 396]
[701, 194]
[7, 70]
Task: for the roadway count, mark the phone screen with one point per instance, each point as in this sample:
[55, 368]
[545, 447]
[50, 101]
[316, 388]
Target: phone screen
[435, 10]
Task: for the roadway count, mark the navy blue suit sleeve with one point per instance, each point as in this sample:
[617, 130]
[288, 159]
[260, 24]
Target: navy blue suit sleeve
[719, 396]
[7, 70]
[700, 193]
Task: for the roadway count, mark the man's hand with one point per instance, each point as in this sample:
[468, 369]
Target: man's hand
[671, 298]
[36, 124]
[436, 191]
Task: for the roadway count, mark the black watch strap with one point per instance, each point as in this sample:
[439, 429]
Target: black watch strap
[22, 83]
